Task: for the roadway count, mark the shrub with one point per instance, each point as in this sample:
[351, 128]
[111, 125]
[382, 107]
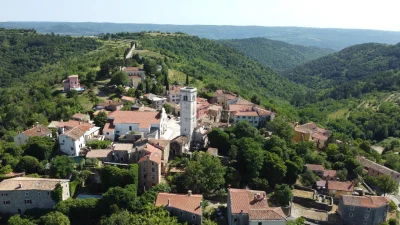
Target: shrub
[56, 194]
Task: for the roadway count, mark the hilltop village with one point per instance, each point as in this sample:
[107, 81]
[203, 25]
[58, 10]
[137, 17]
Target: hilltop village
[151, 152]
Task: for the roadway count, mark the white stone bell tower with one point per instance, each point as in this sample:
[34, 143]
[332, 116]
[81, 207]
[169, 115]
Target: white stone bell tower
[188, 111]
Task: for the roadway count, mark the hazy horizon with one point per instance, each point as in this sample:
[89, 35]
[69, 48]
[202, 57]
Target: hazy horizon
[340, 14]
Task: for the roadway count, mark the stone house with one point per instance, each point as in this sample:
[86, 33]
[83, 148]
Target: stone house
[311, 132]
[103, 155]
[254, 114]
[215, 113]
[375, 169]
[317, 169]
[338, 188]
[81, 117]
[180, 145]
[134, 71]
[149, 167]
[123, 153]
[71, 83]
[250, 207]
[173, 94]
[109, 105]
[135, 80]
[363, 210]
[223, 98]
[160, 144]
[21, 193]
[187, 208]
[35, 131]
[158, 103]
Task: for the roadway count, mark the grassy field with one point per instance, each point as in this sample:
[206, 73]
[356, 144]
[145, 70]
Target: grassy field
[339, 114]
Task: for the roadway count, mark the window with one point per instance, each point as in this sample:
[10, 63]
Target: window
[352, 208]
[365, 221]
[6, 202]
[72, 148]
[369, 209]
[153, 178]
[181, 213]
[117, 132]
[351, 215]
[152, 170]
[4, 194]
[26, 193]
[48, 193]
[235, 220]
[130, 127]
[108, 133]
[39, 193]
[63, 140]
[28, 201]
[259, 223]
[193, 217]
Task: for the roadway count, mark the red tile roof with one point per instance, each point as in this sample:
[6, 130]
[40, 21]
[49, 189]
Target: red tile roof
[144, 119]
[77, 132]
[108, 127]
[79, 116]
[365, 201]
[263, 112]
[153, 154]
[254, 203]
[38, 130]
[329, 173]
[186, 203]
[127, 98]
[100, 153]
[320, 136]
[251, 113]
[340, 186]
[267, 214]
[314, 167]
[240, 107]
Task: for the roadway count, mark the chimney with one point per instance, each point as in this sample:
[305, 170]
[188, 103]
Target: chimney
[241, 211]
[169, 202]
[190, 193]
[20, 185]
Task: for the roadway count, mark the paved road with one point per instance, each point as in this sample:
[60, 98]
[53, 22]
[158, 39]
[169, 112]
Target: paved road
[130, 53]
[396, 199]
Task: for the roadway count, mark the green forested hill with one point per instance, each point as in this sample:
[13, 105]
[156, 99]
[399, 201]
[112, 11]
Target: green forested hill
[353, 71]
[220, 66]
[25, 51]
[276, 54]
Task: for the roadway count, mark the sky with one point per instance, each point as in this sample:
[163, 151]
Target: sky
[361, 14]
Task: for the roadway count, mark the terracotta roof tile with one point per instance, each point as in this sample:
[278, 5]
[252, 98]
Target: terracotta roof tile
[377, 167]
[254, 203]
[122, 147]
[314, 167]
[127, 98]
[38, 130]
[267, 214]
[144, 119]
[183, 202]
[29, 183]
[79, 116]
[108, 127]
[77, 132]
[153, 154]
[340, 186]
[240, 107]
[329, 173]
[99, 153]
[365, 201]
[251, 113]
[320, 136]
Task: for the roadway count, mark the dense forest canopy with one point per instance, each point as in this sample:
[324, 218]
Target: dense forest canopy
[276, 54]
[353, 71]
[219, 66]
[334, 38]
[25, 51]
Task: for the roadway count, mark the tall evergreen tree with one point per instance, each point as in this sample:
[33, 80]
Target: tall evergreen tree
[166, 82]
[187, 80]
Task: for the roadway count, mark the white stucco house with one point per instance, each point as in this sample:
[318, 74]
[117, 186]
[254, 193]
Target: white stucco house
[124, 122]
[71, 141]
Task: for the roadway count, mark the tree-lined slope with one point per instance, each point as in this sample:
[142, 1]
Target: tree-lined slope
[353, 71]
[25, 51]
[276, 54]
[220, 66]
